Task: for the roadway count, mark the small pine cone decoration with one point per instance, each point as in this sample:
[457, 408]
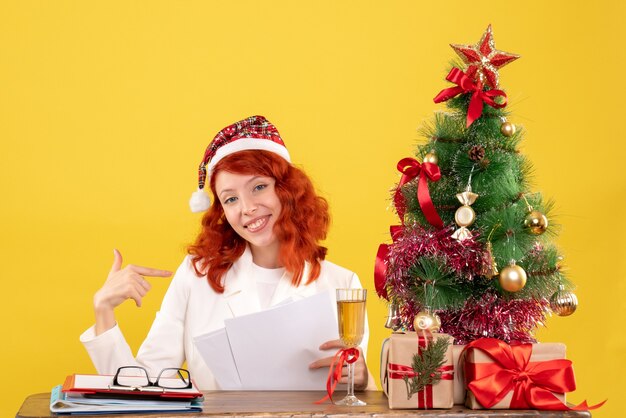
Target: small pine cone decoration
[476, 153]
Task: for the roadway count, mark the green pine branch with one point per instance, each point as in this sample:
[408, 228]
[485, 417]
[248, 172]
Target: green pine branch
[426, 364]
[435, 285]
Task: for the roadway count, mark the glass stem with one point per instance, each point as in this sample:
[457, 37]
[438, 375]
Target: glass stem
[350, 379]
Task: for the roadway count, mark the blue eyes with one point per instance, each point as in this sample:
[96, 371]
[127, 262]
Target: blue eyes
[256, 188]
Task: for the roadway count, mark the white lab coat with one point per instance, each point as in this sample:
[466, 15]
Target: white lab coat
[191, 308]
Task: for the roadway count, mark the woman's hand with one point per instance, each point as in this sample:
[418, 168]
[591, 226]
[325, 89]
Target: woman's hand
[360, 368]
[121, 284]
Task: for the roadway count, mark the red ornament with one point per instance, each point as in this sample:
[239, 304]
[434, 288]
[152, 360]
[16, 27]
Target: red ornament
[483, 59]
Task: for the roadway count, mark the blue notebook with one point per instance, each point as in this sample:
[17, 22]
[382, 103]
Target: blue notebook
[81, 404]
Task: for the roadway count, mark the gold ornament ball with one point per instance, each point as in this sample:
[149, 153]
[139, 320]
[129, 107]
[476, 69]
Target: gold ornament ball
[512, 278]
[464, 216]
[507, 129]
[536, 222]
[563, 303]
[430, 158]
[426, 321]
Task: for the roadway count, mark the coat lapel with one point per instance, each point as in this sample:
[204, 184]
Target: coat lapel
[240, 290]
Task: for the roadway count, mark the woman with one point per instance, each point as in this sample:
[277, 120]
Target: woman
[259, 246]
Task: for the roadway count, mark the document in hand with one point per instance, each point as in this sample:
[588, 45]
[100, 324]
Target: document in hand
[272, 349]
[102, 385]
[80, 404]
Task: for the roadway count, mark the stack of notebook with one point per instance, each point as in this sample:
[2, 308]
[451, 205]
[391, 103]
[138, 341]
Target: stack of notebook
[95, 394]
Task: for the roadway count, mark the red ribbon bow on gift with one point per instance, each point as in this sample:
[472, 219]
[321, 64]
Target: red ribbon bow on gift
[532, 384]
[398, 371]
[411, 168]
[345, 355]
[464, 84]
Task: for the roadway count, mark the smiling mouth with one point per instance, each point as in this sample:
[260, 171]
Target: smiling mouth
[257, 224]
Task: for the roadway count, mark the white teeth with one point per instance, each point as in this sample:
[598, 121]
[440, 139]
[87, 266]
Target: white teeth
[256, 224]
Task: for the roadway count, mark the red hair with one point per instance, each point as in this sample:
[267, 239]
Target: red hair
[302, 223]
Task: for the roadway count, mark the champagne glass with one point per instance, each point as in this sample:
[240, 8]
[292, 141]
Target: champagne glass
[351, 316]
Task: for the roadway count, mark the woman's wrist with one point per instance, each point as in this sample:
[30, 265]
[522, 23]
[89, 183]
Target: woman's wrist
[105, 316]
[99, 304]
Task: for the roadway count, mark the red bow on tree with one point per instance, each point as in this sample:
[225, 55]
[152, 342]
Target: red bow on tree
[411, 168]
[464, 84]
[533, 384]
[380, 266]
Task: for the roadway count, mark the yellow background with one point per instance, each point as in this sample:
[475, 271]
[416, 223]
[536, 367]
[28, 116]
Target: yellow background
[106, 108]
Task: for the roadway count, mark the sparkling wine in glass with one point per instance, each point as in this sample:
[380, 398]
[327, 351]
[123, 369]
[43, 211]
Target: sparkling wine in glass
[351, 317]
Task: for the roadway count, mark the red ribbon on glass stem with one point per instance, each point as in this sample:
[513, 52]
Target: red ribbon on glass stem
[345, 355]
[411, 168]
[532, 384]
[464, 84]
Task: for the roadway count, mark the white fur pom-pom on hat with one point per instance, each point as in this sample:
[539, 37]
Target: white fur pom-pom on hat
[253, 133]
[200, 201]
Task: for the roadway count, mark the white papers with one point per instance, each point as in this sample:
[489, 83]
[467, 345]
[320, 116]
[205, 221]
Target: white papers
[216, 352]
[272, 349]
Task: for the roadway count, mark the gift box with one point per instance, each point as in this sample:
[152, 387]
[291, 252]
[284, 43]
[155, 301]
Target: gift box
[400, 380]
[458, 383]
[524, 376]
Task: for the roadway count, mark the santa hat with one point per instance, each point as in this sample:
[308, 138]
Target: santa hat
[253, 133]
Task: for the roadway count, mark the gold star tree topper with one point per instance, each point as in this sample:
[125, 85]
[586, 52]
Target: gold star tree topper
[483, 59]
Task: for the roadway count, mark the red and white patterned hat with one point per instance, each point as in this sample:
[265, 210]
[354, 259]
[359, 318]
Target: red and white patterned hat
[252, 133]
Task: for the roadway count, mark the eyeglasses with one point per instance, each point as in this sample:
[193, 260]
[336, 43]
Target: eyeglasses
[136, 378]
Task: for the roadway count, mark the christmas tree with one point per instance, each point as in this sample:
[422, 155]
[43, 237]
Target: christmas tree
[473, 255]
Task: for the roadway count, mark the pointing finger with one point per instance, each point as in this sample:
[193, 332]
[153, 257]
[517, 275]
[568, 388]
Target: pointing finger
[117, 261]
[148, 271]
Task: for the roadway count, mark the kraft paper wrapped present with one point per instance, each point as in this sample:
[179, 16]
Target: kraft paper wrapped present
[525, 376]
[459, 384]
[396, 360]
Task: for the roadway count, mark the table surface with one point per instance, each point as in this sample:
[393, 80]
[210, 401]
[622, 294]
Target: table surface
[299, 405]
